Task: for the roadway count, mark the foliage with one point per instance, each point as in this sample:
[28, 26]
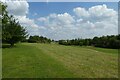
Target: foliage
[12, 31]
[104, 42]
[0, 25]
[38, 39]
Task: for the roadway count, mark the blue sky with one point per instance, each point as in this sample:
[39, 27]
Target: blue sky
[66, 20]
[44, 8]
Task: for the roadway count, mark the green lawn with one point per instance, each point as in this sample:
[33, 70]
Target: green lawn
[29, 60]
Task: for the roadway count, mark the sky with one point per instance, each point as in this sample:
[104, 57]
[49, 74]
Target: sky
[66, 20]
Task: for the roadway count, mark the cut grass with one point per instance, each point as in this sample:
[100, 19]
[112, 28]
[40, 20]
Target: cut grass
[105, 50]
[29, 62]
[58, 61]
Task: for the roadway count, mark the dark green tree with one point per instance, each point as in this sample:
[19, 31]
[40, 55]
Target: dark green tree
[37, 39]
[112, 41]
[12, 31]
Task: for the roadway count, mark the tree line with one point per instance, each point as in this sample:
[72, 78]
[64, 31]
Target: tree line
[38, 39]
[112, 41]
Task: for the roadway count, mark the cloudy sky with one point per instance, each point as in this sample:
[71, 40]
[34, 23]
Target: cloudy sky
[65, 20]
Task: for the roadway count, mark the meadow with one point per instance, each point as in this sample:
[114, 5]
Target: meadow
[32, 60]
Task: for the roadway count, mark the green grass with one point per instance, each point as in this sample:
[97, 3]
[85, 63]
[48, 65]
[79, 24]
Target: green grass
[112, 51]
[0, 63]
[28, 60]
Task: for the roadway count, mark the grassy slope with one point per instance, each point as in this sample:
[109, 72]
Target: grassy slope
[51, 60]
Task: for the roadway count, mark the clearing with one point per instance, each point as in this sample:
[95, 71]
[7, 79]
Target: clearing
[32, 60]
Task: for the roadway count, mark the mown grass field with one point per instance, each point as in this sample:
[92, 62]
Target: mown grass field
[29, 60]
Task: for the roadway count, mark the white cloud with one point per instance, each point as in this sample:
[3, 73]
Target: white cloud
[2, 0]
[65, 18]
[30, 25]
[81, 12]
[101, 11]
[58, 18]
[96, 21]
[18, 8]
[42, 19]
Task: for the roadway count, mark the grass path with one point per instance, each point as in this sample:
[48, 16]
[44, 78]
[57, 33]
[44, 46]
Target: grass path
[29, 62]
[51, 60]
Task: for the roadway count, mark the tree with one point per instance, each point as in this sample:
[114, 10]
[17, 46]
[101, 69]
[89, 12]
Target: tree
[37, 39]
[0, 25]
[12, 31]
[112, 41]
